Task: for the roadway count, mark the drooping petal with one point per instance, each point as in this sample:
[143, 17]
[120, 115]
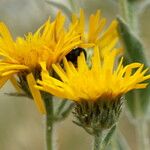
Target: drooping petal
[36, 93]
[15, 84]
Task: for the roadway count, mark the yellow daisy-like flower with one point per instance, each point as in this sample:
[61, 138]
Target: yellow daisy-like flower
[21, 57]
[96, 90]
[95, 34]
[101, 80]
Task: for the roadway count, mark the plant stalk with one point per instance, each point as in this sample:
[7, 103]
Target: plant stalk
[49, 122]
[97, 141]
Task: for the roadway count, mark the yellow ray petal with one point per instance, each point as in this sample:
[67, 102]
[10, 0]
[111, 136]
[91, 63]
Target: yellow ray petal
[9, 72]
[141, 86]
[82, 65]
[15, 84]
[60, 72]
[3, 80]
[36, 93]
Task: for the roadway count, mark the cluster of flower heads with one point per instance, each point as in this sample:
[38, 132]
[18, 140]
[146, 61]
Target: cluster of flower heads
[47, 47]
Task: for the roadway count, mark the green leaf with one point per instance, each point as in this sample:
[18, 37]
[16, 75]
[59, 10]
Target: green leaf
[108, 137]
[62, 7]
[137, 101]
[134, 48]
[61, 106]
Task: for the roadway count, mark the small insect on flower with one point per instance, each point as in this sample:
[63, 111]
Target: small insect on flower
[73, 55]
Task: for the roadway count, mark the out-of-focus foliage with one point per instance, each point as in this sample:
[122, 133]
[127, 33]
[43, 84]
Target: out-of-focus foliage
[137, 101]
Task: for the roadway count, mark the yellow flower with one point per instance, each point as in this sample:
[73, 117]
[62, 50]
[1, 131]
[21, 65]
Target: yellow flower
[21, 57]
[95, 30]
[100, 81]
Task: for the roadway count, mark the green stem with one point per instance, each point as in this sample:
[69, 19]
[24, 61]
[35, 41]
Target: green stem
[61, 107]
[108, 137]
[97, 141]
[49, 122]
[61, 112]
[142, 135]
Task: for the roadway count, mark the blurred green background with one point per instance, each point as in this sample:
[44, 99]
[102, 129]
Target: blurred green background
[21, 125]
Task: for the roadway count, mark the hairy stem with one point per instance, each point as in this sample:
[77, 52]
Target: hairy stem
[97, 141]
[49, 122]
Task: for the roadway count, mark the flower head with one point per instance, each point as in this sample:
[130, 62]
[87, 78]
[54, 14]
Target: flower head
[97, 90]
[94, 32]
[50, 43]
[91, 83]
[22, 57]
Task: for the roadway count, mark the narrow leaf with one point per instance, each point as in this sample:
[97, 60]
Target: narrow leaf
[134, 47]
[108, 136]
[137, 101]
